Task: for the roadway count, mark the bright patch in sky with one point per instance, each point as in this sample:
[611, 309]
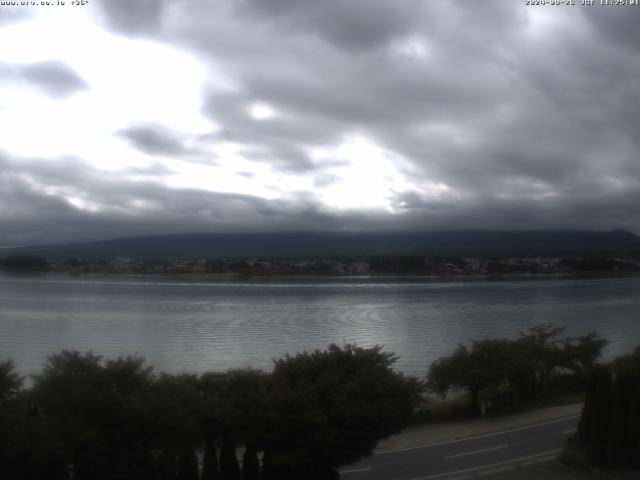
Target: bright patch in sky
[130, 81]
[363, 176]
[366, 175]
[262, 111]
[139, 82]
[76, 198]
[413, 46]
[124, 112]
[546, 21]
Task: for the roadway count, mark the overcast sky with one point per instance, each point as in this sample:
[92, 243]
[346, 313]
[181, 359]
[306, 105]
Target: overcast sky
[124, 117]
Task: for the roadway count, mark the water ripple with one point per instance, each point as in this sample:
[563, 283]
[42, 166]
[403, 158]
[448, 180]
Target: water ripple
[195, 326]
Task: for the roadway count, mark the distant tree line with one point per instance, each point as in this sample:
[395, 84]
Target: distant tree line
[331, 265]
[609, 429]
[89, 418]
[501, 373]
[24, 263]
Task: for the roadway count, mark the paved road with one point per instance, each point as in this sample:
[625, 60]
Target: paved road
[467, 457]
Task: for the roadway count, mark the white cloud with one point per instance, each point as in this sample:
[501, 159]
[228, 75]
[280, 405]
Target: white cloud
[130, 81]
[262, 111]
[412, 46]
[366, 175]
[357, 109]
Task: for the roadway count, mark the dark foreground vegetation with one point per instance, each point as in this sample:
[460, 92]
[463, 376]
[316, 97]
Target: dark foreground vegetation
[86, 418]
[501, 374]
[609, 430]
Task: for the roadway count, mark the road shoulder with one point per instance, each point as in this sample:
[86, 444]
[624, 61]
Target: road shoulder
[555, 470]
[429, 434]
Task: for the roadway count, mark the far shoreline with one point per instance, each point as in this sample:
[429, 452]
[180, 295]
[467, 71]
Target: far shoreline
[322, 278]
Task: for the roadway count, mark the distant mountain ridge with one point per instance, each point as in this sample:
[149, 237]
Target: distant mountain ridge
[462, 243]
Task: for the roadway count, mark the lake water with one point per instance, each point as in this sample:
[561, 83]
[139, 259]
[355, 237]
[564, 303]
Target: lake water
[211, 324]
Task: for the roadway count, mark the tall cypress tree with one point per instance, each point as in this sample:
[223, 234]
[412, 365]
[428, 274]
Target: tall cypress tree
[188, 465]
[250, 464]
[609, 429]
[229, 467]
[587, 418]
[167, 466]
[146, 466]
[618, 447]
[599, 441]
[210, 460]
[634, 425]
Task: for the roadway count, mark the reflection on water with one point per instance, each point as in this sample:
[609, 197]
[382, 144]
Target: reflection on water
[186, 325]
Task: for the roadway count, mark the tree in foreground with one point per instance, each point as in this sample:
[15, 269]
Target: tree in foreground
[609, 428]
[10, 385]
[541, 354]
[484, 366]
[330, 408]
[233, 414]
[88, 418]
[506, 370]
[10, 382]
[210, 458]
[250, 464]
[91, 416]
[175, 403]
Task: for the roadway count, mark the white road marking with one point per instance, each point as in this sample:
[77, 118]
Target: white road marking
[486, 435]
[484, 467]
[495, 471]
[477, 451]
[356, 470]
[567, 432]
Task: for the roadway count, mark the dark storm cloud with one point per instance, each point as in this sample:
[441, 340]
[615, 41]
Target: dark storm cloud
[540, 118]
[357, 24]
[619, 25]
[154, 140]
[160, 141]
[273, 142]
[502, 119]
[36, 206]
[139, 16]
[54, 78]
[326, 92]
